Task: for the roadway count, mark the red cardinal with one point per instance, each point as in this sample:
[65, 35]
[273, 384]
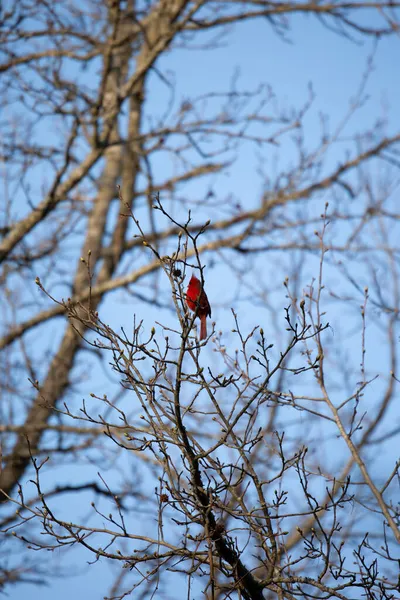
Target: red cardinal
[196, 299]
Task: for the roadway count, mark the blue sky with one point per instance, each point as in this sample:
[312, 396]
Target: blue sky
[335, 67]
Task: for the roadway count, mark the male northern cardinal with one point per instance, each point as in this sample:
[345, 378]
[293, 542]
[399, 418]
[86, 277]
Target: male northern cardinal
[196, 299]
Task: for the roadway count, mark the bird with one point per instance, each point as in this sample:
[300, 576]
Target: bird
[197, 300]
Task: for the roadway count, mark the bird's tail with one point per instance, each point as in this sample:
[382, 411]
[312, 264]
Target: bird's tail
[203, 327]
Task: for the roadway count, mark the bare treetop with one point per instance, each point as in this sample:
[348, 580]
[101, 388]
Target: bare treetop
[256, 458]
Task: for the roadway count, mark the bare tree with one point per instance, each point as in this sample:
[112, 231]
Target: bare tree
[258, 467]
